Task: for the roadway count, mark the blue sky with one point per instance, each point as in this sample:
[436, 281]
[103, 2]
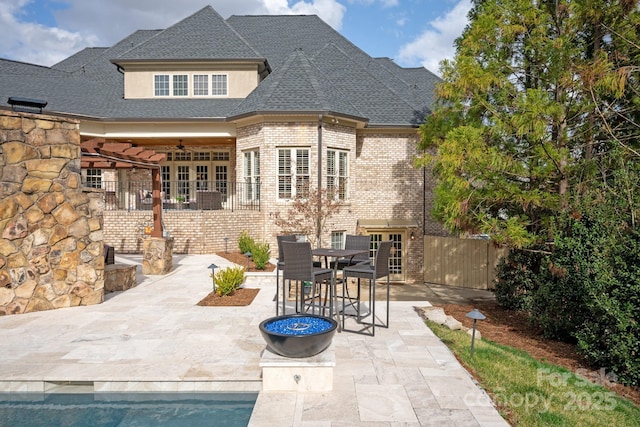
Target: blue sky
[411, 32]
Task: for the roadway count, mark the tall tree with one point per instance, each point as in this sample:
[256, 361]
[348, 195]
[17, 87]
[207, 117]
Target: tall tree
[526, 113]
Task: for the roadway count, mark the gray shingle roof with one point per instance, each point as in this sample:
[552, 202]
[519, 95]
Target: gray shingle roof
[203, 35]
[81, 58]
[313, 69]
[297, 86]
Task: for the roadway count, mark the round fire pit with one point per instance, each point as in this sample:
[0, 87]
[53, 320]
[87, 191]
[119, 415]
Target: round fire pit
[298, 335]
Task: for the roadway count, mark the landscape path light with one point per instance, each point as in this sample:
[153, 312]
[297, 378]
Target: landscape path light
[226, 247]
[248, 255]
[213, 275]
[475, 315]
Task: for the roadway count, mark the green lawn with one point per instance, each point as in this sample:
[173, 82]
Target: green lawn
[532, 393]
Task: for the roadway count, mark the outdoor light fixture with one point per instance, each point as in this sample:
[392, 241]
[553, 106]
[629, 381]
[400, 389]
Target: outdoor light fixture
[213, 275]
[26, 105]
[475, 315]
[248, 255]
[412, 236]
[226, 247]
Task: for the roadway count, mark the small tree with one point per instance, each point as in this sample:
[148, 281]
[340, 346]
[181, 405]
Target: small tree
[308, 214]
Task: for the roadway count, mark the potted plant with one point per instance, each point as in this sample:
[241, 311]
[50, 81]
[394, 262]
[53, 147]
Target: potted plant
[180, 200]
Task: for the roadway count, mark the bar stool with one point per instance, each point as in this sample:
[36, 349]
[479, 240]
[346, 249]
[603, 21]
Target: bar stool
[298, 266]
[370, 272]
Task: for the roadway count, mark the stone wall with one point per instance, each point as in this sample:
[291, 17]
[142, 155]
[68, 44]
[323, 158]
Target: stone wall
[51, 249]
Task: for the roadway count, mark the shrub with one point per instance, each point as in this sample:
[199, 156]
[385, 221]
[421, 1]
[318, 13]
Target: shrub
[245, 242]
[517, 277]
[261, 254]
[590, 291]
[610, 334]
[228, 280]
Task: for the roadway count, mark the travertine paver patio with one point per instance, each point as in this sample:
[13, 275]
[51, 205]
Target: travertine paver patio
[155, 338]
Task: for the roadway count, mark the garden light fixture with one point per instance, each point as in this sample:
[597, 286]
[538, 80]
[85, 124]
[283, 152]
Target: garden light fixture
[475, 315]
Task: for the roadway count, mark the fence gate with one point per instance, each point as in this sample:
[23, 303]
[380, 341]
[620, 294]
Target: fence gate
[467, 263]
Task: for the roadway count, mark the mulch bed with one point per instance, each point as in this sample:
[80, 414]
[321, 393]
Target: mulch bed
[241, 297]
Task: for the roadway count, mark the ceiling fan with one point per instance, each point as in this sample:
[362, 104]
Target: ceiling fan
[180, 146]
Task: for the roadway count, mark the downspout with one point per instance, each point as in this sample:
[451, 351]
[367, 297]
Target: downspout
[319, 219]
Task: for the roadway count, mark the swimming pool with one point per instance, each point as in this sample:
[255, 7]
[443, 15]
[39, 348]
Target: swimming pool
[126, 409]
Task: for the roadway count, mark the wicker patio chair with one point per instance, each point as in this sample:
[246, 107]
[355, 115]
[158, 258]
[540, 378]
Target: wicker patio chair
[298, 267]
[280, 266]
[354, 242]
[370, 272]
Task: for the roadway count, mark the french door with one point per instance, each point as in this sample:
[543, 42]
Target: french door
[397, 256]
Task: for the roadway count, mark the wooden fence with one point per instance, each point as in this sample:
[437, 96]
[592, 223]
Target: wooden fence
[467, 263]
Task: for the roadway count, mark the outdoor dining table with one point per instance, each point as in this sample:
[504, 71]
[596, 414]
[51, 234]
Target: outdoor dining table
[335, 254]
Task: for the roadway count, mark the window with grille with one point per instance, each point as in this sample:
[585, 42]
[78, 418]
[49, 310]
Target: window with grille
[161, 85]
[221, 156]
[337, 174]
[200, 85]
[293, 172]
[93, 178]
[180, 85]
[202, 177]
[166, 181]
[337, 239]
[201, 156]
[219, 84]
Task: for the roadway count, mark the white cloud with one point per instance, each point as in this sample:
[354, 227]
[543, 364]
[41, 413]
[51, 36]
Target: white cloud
[101, 23]
[432, 46]
[385, 3]
[330, 11]
[33, 42]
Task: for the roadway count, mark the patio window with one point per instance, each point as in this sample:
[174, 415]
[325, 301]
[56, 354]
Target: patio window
[93, 178]
[337, 174]
[337, 239]
[252, 174]
[293, 172]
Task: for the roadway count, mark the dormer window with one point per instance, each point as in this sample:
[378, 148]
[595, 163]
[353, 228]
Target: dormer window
[219, 85]
[178, 85]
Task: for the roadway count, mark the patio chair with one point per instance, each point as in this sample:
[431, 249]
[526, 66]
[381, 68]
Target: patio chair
[298, 266]
[354, 242]
[370, 272]
[280, 266]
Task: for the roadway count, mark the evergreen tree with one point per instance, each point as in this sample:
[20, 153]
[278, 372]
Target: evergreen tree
[538, 97]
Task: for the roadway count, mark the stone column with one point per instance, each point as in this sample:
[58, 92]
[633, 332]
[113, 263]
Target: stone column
[51, 252]
[157, 255]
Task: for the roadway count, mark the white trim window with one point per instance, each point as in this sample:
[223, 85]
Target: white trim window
[219, 85]
[93, 178]
[180, 85]
[200, 85]
[252, 175]
[337, 239]
[161, 85]
[293, 172]
[337, 173]
[171, 85]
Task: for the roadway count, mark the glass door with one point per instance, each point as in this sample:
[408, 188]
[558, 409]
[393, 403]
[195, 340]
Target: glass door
[397, 257]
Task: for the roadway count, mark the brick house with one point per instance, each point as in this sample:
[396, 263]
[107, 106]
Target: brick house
[250, 111]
